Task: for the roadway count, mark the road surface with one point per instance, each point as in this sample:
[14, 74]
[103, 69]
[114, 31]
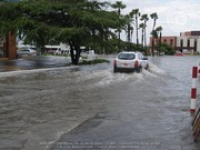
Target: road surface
[93, 108]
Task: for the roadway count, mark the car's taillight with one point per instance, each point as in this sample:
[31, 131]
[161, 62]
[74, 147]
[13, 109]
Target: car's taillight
[136, 64]
[115, 62]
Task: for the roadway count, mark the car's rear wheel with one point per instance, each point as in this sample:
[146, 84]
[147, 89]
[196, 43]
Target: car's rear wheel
[139, 69]
[115, 69]
[147, 67]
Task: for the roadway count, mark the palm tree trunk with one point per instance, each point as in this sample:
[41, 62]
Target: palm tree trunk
[119, 41]
[142, 41]
[137, 31]
[119, 38]
[145, 41]
[129, 37]
[160, 44]
[152, 47]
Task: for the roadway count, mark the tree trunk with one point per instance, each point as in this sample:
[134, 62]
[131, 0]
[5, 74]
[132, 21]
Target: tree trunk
[142, 40]
[160, 44]
[119, 41]
[129, 38]
[152, 47]
[137, 31]
[75, 52]
[145, 41]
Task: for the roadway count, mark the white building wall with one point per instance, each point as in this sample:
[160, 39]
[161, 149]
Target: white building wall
[191, 42]
[184, 41]
[178, 42]
[198, 45]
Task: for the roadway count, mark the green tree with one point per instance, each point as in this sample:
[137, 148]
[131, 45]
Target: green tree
[144, 18]
[136, 14]
[159, 35]
[142, 26]
[129, 29]
[74, 22]
[156, 35]
[154, 17]
[119, 5]
[167, 49]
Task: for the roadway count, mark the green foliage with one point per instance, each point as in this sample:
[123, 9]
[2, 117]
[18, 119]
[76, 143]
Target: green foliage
[167, 49]
[62, 20]
[95, 61]
[77, 22]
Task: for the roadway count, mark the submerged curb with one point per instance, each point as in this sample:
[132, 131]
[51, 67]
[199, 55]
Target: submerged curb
[20, 72]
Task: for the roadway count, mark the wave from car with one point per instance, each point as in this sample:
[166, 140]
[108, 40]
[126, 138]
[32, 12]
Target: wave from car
[127, 61]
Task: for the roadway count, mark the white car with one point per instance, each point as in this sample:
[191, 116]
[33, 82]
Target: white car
[26, 52]
[130, 61]
[58, 52]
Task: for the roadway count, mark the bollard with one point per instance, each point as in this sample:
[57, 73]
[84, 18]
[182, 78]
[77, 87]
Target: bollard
[194, 89]
[199, 69]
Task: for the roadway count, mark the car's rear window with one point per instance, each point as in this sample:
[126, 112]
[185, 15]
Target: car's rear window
[126, 56]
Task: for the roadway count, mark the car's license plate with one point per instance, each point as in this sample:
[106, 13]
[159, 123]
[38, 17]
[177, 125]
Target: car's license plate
[125, 64]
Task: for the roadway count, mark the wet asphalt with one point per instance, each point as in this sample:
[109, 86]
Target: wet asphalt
[95, 109]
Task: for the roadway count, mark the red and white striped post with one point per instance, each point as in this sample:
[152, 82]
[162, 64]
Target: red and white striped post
[194, 89]
[199, 69]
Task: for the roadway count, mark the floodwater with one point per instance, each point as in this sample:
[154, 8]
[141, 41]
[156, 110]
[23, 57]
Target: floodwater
[41, 108]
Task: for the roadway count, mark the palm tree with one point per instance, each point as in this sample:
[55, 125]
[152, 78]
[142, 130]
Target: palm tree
[119, 5]
[142, 26]
[153, 16]
[144, 18]
[135, 13]
[129, 29]
[159, 34]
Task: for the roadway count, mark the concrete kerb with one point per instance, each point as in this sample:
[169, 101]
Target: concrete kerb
[2, 59]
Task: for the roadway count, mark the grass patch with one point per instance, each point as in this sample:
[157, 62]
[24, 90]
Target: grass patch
[95, 61]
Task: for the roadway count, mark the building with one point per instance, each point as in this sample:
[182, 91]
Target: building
[189, 40]
[170, 40]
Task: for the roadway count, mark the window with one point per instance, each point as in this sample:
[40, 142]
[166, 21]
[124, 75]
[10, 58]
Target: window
[171, 41]
[181, 43]
[126, 56]
[195, 45]
[188, 43]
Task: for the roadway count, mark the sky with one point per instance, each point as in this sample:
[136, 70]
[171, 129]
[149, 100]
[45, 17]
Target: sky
[174, 16]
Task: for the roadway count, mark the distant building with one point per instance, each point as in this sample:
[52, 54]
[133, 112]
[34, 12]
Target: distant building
[170, 40]
[189, 40]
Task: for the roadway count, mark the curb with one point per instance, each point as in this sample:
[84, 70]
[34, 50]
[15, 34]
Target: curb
[2, 59]
[19, 72]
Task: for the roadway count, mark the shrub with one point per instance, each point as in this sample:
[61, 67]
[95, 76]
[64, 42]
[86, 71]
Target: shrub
[92, 62]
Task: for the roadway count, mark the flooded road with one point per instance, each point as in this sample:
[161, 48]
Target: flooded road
[37, 62]
[93, 108]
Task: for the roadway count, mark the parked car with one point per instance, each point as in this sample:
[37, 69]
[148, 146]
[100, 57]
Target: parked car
[58, 52]
[130, 61]
[26, 52]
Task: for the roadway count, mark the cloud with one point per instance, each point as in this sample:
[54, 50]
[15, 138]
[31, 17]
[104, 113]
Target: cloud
[175, 16]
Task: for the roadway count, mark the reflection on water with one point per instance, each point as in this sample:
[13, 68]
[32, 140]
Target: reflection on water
[38, 107]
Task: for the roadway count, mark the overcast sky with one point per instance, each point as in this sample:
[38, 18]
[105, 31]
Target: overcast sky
[175, 16]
